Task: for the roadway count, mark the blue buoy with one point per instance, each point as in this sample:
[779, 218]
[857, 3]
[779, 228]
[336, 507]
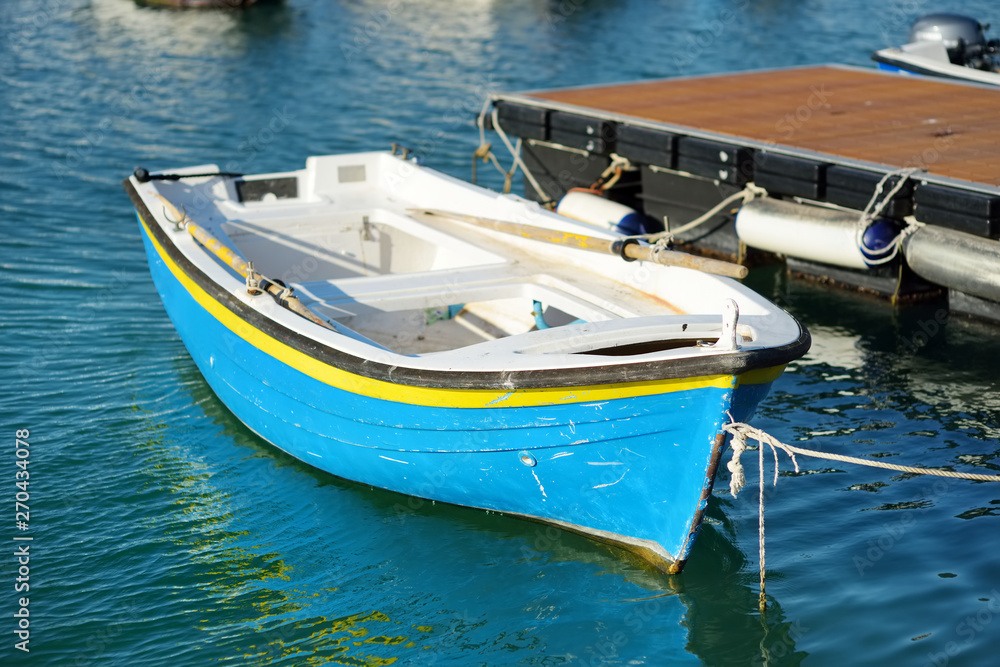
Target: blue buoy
[878, 242]
[636, 223]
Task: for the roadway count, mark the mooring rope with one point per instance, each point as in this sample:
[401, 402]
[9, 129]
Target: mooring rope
[875, 206]
[874, 209]
[485, 153]
[742, 432]
[748, 193]
[610, 176]
[514, 151]
[762, 599]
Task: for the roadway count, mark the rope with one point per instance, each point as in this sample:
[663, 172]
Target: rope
[741, 432]
[874, 209]
[607, 179]
[618, 170]
[749, 192]
[485, 153]
[762, 600]
[737, 478]
[516, 153]
[481, 120]
[611, 174]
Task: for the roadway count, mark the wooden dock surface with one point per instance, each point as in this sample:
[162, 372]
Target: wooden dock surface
[952, 130]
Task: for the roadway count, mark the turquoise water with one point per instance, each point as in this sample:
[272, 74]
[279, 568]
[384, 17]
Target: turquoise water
[165, 533]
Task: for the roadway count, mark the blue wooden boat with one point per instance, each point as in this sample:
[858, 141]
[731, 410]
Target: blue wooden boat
[380, 321]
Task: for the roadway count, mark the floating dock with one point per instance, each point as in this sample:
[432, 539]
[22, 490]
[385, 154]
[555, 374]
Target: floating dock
[825, 143]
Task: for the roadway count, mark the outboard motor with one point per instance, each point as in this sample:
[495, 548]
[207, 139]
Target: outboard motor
[963, 37]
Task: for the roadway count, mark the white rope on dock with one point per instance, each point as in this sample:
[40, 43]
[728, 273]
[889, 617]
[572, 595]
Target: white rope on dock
[485, 152]
[742, 432]
[875, 206]
[514, 151]
[874, 209]
[749, 192]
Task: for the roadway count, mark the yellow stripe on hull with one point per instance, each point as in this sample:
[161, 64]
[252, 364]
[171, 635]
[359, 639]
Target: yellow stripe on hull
[762, 375]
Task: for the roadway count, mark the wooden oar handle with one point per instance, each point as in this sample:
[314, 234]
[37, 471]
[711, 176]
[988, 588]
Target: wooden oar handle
[681, 259]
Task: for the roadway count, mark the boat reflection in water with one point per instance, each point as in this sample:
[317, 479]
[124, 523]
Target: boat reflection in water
[357, 538]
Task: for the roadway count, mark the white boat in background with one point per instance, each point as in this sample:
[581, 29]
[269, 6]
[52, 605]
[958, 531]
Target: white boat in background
[395, 326]
[945, 45]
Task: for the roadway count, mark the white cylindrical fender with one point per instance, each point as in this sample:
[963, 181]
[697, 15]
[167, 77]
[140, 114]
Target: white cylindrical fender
[805, 232]
[961, 261]
[596, 210]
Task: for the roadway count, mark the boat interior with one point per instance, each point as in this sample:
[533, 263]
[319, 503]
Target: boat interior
[385, 276]
[412, 289]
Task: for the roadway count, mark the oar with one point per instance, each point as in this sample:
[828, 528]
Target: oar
[627, 249]
[242, 267]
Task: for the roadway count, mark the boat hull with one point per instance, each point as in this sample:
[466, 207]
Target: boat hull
[632, 464]
[897, 60]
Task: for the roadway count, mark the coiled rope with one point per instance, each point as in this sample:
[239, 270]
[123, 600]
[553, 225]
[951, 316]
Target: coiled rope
[742, 432]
